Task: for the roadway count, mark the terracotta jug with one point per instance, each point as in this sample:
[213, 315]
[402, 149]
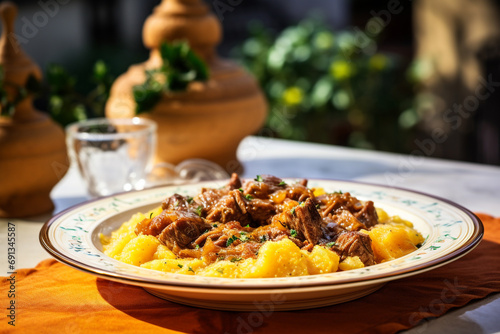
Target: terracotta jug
[208, 120]
[33, 154]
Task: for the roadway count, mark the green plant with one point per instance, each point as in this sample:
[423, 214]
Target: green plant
[323, 87]
[66, 104]
[181, 66]
[19, 93]
[58, 94]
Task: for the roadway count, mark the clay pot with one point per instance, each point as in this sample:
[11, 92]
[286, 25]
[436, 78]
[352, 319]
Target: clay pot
[208, 120]
[33, 154]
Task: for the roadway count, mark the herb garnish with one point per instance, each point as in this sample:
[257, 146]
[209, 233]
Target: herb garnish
[150, 215]
[231, 240]
[179, 265]
[198, 210]
[293, 233]
[220, 270]
[190, 269]
[236, 259]
[249, 197]
[259, 178]
[282, 183]
[244, 237]
[263, 238]
[197, 247]
[189, 199]
[330, 244]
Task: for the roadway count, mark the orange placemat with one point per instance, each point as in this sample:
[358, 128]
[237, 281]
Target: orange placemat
[54, 298]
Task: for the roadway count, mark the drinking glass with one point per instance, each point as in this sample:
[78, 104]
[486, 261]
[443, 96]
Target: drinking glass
[113, 155]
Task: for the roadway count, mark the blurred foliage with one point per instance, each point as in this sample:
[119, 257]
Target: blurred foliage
[180, 67]
[68, 98]
[65, 103]
[330, 87]
[58, 96]
[17, 93]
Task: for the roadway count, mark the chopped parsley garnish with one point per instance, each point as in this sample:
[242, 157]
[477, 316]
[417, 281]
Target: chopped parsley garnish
[282, 183]
[215, 225]
[293, 211]
[241, 189]
[293, 233]
[338, 192]
[179, 265]
[248, 225]
[197, 247]
[231, 240]
[330, 244]
[236, 259]
[263, 238]
[190, 269]
[150, 215]
[198, 210]
[244, 237]
[220, 270]
[189, 199]
[249, 197]
[259, 178]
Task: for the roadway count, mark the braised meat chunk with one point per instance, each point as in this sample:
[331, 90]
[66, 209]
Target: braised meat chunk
[306, 221]
[263, 186]
[348, 211]
[351, 243]
[183, 231]
[367, 215]
[231, 207]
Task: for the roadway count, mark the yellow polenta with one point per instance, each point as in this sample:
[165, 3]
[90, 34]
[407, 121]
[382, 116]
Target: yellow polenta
[390, 239]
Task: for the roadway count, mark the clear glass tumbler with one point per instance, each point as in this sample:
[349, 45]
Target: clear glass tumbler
[113, 155]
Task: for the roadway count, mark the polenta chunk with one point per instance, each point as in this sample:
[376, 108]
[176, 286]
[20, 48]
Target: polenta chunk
[225, 269]
[139, 250]
[351, 262]
[321, 261]
[391, 241]
[162, 252]
[114, 245]
[277, 259]
[187, 267]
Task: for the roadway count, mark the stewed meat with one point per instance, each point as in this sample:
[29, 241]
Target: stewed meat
[230, 207]
[183, 231]
[352, 243]
[306, 221]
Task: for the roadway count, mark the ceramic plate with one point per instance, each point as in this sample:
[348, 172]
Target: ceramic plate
[451, 231]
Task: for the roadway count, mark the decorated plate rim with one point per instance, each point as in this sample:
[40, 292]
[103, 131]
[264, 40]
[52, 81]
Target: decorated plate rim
[146, 277]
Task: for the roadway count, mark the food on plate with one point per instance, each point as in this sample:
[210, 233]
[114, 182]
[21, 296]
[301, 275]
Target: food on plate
[266, 227]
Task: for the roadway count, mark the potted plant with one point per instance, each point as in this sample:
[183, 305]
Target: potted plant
[210, 118]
